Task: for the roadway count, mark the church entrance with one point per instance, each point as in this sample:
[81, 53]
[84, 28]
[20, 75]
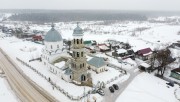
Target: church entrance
[83, 77]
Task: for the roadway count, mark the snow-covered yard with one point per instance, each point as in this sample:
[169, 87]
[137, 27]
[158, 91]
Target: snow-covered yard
[148, 88]
[105, 76]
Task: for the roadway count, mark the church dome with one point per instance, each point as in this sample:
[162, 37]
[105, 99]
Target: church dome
[53, 35]
[78, 31]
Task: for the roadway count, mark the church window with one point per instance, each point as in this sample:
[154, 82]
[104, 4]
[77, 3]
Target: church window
[77, 41]
[80, 66]
[74, 41]
[70, 76]
[73, 54]
[72, 64]
[77, 54]
[81, 54]
[58, 46]
[51, 47]
[83, 77]
[83, 64]
[81, 41]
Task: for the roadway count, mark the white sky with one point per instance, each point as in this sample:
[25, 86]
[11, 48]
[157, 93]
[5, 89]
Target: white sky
[160, 5]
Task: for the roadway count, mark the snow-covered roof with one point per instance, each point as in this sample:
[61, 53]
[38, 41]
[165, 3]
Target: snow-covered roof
[119, 51]
[145, 65]
[104, 47]
[60, 64]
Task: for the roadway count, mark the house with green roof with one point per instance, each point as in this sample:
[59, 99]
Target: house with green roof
[97, 64]
[88, 43]
[175, 73]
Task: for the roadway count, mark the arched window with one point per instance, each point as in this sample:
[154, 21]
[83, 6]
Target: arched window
[81, 54]
[83, 77]
[81, 41]
[74, 41]
[83, 64]
[73, 54]
[72, 64]
[58, 46]
[80, 66]
[51, 46]
[77, 41]
[77, 54]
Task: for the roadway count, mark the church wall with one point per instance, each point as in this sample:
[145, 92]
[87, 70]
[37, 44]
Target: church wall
[53, 46]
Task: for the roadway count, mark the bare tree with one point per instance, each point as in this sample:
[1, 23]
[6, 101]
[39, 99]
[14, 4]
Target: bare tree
[162, 57]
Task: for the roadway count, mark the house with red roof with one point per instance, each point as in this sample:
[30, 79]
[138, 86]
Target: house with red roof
[144, 54]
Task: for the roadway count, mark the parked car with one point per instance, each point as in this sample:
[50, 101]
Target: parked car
[101, 92]
[116, 87]
[111, 89]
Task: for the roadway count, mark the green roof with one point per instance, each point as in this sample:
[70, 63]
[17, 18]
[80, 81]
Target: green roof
[97, 62]
[88, 42]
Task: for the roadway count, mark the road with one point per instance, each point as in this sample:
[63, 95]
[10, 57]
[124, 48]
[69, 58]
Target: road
[111, 97]
[25, 91]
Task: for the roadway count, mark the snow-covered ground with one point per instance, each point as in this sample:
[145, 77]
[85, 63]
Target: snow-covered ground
[148, 88]
[105, 76]
[6, 94]
[155, 36]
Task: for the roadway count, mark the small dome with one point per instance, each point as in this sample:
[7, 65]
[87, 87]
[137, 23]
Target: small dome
[78, 31]
[53, 35]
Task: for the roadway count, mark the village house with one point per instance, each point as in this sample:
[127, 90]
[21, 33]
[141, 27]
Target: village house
[119, 53]
[124, 54]
[97, 64]
[144, 54]
[103, 48]
[37, 38]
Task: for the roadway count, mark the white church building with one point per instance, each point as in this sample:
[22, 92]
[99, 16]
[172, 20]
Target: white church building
[70, 68]
[53, 50]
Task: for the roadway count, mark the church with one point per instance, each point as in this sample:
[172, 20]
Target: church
[53, 54]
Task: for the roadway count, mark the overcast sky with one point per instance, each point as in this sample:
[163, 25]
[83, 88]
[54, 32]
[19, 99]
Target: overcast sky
[159, 5]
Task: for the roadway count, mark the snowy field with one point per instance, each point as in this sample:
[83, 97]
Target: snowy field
[6, 94]
[148, 88]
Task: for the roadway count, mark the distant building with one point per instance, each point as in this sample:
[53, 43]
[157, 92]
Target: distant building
[175, 73]
[103, 47]
[97, 64]
[37, 38]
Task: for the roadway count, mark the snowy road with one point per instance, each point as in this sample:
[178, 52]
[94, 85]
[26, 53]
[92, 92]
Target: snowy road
[23, 88]
[111, 97]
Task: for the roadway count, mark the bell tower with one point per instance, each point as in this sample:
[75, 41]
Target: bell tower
[78, 65]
